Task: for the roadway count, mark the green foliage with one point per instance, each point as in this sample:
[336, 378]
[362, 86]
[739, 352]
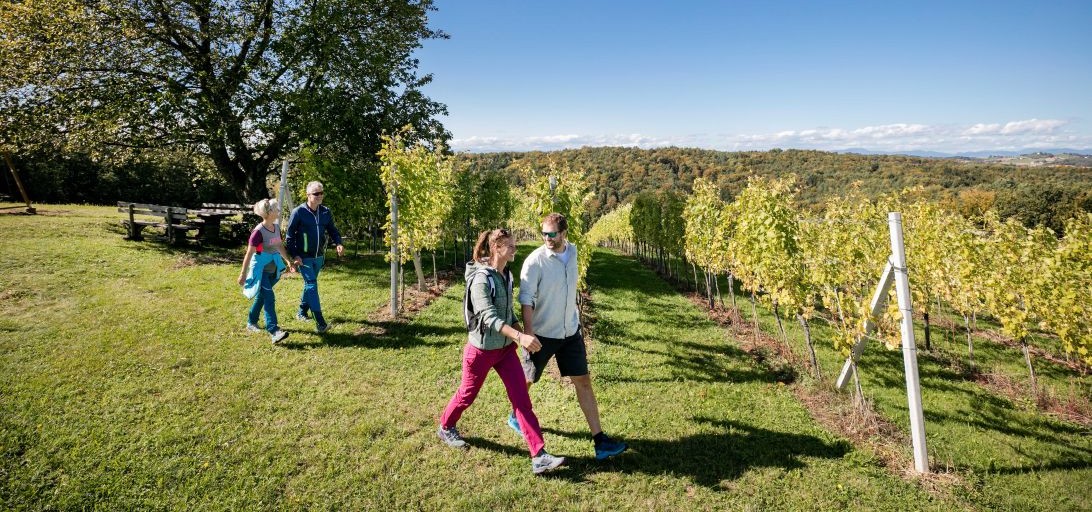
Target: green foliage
[243, 83]
[538, 199]
[705, 215]
[766, 244]
[613, 228]
[354, 191]
[1065, 307]
[483, 200]
[424, 183]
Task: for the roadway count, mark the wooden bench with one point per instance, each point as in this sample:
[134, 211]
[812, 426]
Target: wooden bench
[173, 219]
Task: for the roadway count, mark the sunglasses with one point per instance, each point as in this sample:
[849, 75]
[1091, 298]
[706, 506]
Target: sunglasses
[550, 234]
[315, 193]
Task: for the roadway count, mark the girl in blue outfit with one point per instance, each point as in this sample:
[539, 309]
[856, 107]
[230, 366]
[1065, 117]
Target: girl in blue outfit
[262, 268]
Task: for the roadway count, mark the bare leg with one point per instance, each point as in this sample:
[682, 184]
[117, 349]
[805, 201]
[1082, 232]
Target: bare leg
[586, 397]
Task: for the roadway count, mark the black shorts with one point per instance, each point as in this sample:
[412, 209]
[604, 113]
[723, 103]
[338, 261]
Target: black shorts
[571, 357]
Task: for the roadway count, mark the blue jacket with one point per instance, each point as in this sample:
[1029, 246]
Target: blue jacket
[257, 265]
[303, 237]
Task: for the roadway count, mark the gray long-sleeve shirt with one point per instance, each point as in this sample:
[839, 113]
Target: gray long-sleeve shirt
[549, 286]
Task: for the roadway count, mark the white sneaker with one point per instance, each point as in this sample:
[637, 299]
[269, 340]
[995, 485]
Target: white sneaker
[451, 437]
[545, 462]
[253, 328]
[279, 336]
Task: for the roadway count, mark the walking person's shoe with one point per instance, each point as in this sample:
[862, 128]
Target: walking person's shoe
[451, 437]
[301, 316]
[607, 447]
[279, 336]
[322, 328]
[514, 424]
[544, 462]
[253, 328]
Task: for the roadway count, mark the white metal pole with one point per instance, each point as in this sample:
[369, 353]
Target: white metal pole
[909, 351]
[394, 250]
[285, 197]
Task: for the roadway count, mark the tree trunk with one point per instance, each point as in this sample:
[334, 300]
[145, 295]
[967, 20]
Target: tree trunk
[435, 275]
[695, 269]
[970, 343]
[811, 348]
[709, 290]
[716, 282]
[928, 346]
[732, 290]
[401, 287]
[780, 326]
[857, 384]
[417, 267]
[754, 315]
[1031, 370]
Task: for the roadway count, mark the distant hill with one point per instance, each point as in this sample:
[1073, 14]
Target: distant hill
[1024, 157]
[1053, 189]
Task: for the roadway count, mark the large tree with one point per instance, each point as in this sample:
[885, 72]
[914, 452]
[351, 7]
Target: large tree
[241, 81]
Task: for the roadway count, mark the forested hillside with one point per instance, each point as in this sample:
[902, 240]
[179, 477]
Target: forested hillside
[1039, 195]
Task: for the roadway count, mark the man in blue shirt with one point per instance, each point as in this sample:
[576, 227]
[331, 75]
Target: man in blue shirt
[304, 240]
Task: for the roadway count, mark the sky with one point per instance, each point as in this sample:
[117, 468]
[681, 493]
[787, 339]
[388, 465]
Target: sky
[890, 76]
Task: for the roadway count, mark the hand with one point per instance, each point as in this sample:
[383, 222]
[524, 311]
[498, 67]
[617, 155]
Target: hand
[241, 280]
[529, 342]
[298, 261]
[340, 250]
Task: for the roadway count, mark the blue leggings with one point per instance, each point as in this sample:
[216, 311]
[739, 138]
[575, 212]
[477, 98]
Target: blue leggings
[267, 300]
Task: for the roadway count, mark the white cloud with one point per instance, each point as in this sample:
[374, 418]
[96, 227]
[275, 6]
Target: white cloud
[895, 137]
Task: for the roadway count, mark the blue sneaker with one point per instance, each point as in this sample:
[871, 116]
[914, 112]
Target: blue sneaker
[512, 422]
[607, 447]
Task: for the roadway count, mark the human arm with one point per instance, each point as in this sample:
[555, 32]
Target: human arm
[287, 258]
[291, 236]
[490, 316]
[246, 264]
[529, 277]
[335, 235]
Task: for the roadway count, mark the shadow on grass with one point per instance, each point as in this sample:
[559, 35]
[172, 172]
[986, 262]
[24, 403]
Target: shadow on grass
[708, 459]
[379, 335]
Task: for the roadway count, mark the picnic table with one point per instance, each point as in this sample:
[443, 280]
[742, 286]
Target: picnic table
[212, 215]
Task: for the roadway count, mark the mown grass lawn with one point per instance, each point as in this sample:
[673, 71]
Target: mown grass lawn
[130, 383]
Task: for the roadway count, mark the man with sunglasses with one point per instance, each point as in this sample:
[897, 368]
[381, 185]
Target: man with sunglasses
[304, 240]
[547, 294]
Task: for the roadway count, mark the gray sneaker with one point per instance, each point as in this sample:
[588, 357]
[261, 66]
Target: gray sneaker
[545, 462]
[322, 328]
[253, 328]
[279, 336]
[302, 316]
[451, 437]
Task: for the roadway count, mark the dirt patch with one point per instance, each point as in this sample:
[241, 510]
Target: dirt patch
[413, 301]
[1067, 406]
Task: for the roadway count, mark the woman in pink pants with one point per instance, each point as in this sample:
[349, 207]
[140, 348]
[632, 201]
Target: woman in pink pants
[491, 322]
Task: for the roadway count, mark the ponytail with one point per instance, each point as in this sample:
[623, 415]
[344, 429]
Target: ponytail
[481, 247]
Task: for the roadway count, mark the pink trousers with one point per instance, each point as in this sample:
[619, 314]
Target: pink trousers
[476, 366]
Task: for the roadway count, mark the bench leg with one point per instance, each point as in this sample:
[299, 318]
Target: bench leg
[134, 231]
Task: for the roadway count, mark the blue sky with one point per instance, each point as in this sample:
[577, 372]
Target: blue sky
[886, 76]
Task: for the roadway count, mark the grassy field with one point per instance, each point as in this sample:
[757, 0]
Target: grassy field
[130, 383]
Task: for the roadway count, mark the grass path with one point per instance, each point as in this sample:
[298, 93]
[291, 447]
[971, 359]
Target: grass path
[129, 383]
